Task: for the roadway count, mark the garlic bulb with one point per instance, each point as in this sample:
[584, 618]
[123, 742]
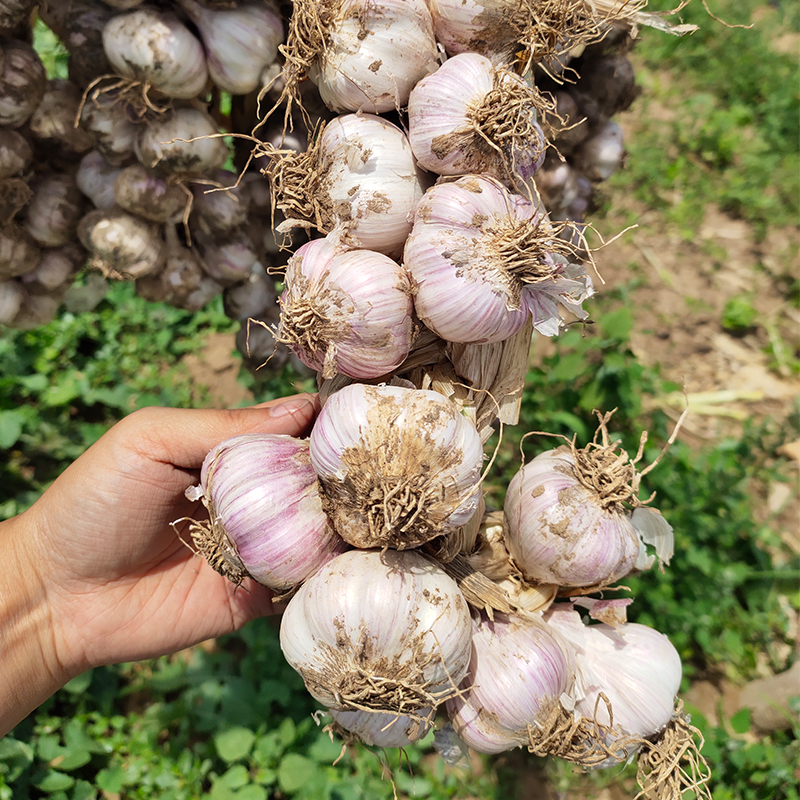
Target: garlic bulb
[22, 83]
[14, 14]
[158, 50]
[36, 310]
[12, 296]
[384, 730]
[383, 631]
[56, 267]
[483, 260]
[95, 178]
[602, 154]
[219, 206]
[360, 174]
[366, 57]
[239, 42]
[15, 153]
[251, 298]
[53, 122]
[635, 667]
[113, 133]
[228, 260]
[123, 246]
[164, 143]
[563, 522]
[517, 673]
[54, 210]
[265, 516]
[18, 252]
[346, 311]
[146, 194]
[398, 467]
[471, 117]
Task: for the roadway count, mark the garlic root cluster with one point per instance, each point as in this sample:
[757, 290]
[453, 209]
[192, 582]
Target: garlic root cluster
[420, 251]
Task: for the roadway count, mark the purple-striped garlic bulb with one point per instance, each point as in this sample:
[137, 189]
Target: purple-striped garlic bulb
[360, 175]
[381, 729]
[517, 673]
[346, 311]
[265, 516]
[385, 631]
[398, 467]
[483, 260]
[470, 117]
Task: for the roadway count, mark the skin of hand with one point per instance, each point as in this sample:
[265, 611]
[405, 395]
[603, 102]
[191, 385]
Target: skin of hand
[94, 573]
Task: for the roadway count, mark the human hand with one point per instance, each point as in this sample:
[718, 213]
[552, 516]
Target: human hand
[101, 575]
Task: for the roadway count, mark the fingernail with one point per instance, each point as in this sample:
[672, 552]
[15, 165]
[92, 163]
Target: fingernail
[289, 406]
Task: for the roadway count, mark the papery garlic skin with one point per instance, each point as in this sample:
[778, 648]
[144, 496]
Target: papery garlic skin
[384, 730]
[375, 54]
[346, 311]
[518, 670]
[239, 42]
[398, 466]
[265, 512]
[452, 114]
[383, 631]
[158, 50]
[483, 260]
[557, 530]
[635, 667]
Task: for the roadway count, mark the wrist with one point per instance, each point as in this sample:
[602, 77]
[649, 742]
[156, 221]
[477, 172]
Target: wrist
[30, 670]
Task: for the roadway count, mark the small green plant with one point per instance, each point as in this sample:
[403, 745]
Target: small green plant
[739, 315]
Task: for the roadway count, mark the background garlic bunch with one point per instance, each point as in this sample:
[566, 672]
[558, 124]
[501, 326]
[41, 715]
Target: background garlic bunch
[419, 253]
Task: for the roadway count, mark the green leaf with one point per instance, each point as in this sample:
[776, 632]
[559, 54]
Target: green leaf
[294, 771]
[55, 782]
[234, 743]
[83, 791]
[79, 684]
[740, 721]
[111, 780]
[325, 751]
[11, 423]
[73, 760]
[252, 792]
[266, 776]
[15, 758]
[617, 324]
[236, 777]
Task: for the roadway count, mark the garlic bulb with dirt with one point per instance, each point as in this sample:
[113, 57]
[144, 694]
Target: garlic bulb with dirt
[22, 83]
[635, 667]
[346, 311]
[113, 133]
[184, 141]
[359, 174]
[568, 515]
[52, 124]
[483, 260]
[472, 117]
[54, 210]
[13, 15]
[16, 154]
[252, 297]
[143, 192]
[122, 246]
[378, 729]
[55, 269]
[511, 694]
[398, 467]
[12, 296]
[229, 260]
[361, 56]
[387, 632]
[602, 154]
[36, 310]
[219, 205]
[239, 42]
[265, 516]
[18, 252]
[158, 50]
[95, 178]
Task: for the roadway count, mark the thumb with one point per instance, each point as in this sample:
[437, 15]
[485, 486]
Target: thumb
[183, 437]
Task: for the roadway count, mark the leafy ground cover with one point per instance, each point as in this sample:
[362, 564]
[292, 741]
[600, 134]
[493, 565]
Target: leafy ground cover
[715, 133]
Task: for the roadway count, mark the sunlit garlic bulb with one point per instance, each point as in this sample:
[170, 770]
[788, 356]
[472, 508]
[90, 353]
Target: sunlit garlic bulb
[384, 729]
[398, 467]
[483, 260]
[387, 631]
[359, 175]
[346, 311]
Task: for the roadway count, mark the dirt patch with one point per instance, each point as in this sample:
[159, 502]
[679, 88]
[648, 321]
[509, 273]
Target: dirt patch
[215, 370]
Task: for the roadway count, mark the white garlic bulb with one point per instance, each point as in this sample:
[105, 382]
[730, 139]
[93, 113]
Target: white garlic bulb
[372, 55]
[346, 310]
[158, 50]
[148, 195]
[18, 252]
[384, 730]
[95, 178]
[483, 260]
[398, 467]
[53, 212]
[472, 117]
[239, 42]
[383, 631]
[113, 133]
[12, 296]
[360, 175]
